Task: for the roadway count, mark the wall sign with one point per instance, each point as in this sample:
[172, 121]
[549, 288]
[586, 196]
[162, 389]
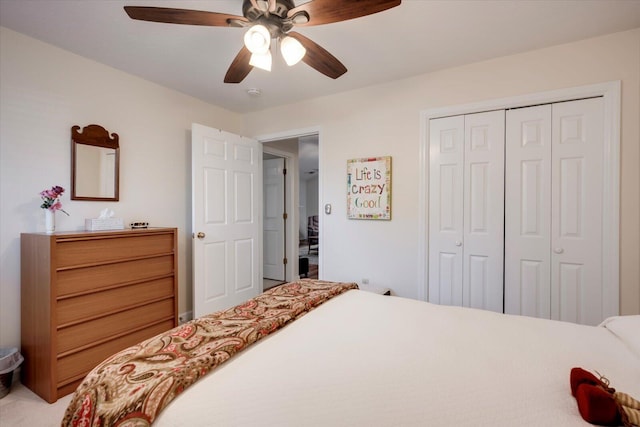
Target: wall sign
[369, 188]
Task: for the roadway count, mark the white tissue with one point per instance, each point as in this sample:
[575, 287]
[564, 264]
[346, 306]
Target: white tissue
[106, 213]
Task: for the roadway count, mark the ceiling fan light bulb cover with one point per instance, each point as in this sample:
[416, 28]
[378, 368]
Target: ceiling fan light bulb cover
[261, 60]
[292, 50]
[257, 39]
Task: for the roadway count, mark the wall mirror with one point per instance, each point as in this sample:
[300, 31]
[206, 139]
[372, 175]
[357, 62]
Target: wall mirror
[95, 164]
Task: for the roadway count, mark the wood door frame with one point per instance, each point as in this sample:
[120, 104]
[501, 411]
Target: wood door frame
[293, 179]
[610, 92]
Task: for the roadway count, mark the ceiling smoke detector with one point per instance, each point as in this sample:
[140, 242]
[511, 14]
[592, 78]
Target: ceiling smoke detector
[254, 92]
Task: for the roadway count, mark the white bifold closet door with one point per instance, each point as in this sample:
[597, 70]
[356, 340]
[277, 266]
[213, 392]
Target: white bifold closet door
[553, 211]
[528, 212]
[466, 205]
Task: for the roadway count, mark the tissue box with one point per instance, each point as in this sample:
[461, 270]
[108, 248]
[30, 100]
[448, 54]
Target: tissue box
[97, 224]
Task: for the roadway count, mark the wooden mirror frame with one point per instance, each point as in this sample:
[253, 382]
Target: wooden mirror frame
[96, 136]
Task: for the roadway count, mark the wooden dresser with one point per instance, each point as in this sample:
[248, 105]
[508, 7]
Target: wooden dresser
[86, 295]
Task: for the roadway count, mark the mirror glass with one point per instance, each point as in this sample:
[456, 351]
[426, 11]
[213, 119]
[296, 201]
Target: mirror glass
[95, 164]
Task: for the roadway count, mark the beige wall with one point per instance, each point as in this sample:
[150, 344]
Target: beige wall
[384, 120]
[44, 91]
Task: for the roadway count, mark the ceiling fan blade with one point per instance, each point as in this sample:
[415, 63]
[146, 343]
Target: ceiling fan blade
[240, 67]
[181, 16]
[328, 11]
[319, 58]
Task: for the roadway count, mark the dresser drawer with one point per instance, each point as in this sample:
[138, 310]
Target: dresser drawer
[79, 364]
[106, 302]
[88, 251]
[92, 278]
[85, 333]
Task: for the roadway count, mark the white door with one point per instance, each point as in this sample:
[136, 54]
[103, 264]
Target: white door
[553, 215]
[446, 165]
[227, 219]
[576, 218]
[483, 242]
[274, 220]
[466, 200]
[527, 255]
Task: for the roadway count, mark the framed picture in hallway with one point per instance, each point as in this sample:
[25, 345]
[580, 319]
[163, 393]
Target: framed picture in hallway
[369, 188]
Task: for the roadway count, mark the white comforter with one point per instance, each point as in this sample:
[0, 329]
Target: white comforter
[363, 359]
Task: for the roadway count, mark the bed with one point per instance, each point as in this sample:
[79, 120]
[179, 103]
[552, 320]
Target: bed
[361, 359]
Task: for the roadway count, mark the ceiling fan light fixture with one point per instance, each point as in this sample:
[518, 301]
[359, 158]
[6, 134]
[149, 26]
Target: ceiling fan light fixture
[292, 50]
[261, 60]
[257, 39]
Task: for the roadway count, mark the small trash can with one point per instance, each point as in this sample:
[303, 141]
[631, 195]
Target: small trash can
[10, 359]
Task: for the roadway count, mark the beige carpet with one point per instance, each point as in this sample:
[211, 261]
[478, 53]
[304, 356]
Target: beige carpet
[22, 407]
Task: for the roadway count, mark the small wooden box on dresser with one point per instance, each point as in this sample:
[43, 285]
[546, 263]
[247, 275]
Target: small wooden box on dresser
[86, 295]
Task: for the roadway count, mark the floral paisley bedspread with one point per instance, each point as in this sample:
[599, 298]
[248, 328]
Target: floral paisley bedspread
[131, 387]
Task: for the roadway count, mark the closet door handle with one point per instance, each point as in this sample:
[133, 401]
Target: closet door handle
[558, 250]
[458, 243]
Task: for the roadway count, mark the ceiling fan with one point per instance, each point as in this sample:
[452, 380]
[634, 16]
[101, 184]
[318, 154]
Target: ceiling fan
[272, 19]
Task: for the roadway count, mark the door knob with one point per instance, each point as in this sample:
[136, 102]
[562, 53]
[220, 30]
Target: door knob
[558, 250]
[458, 243]
[200, 235]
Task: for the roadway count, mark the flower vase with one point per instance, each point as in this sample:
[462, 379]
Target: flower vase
[50, 220]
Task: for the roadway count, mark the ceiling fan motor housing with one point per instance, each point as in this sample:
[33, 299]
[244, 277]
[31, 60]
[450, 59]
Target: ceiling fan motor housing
[274, 20]
[251, 12]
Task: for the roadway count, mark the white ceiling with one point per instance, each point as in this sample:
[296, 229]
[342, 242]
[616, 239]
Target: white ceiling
[417, 37]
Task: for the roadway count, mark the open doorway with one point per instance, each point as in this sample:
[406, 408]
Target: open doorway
[301, 151]
[308, 219]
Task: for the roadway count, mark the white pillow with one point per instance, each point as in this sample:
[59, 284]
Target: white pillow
[627, 328]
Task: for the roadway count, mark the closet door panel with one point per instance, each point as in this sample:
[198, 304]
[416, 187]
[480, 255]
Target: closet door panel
[527, 260]
[446, 136]
[483, 211]
[479, 291]
[576, 234]
[448, 284]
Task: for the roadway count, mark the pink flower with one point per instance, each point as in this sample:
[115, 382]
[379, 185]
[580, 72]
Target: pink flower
[50, 199]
